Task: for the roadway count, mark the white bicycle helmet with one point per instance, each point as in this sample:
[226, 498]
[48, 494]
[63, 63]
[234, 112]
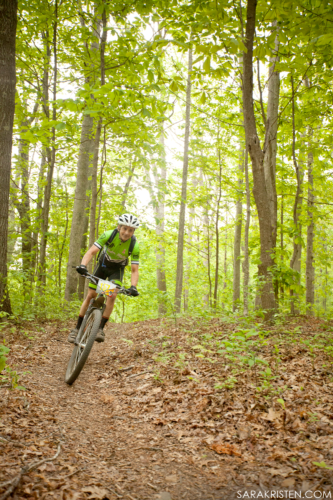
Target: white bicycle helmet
[128, 220]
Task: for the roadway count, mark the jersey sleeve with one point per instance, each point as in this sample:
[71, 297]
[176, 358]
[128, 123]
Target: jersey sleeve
[103, 239]
[135, 254]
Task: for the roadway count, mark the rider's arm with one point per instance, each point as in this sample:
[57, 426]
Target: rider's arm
[89, 255]
[135, 274]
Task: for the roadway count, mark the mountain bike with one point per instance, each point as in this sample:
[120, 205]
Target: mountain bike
[87, 333]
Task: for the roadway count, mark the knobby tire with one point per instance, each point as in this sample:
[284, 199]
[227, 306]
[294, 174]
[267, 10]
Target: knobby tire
[89, 329]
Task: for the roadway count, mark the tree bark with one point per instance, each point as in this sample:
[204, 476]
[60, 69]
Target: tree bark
[260, 189]
[23, 205]
[79, 215]
[205, 224]
[310, 269]
[246, 263]
[8, 23]
[217, 246]
[50, 152]
[94, 193]
[86, 154]
[271, 126]
[160, 183]
[238, 235]
[225, 258]
[295, 262]
[189, 243]
[181, 228]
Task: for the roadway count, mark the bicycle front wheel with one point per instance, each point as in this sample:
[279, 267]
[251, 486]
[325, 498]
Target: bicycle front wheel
[86, 339]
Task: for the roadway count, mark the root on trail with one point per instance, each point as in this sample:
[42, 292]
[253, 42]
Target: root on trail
[13, 484]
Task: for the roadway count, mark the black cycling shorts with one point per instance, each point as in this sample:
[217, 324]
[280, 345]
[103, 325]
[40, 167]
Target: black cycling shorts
[111, 272]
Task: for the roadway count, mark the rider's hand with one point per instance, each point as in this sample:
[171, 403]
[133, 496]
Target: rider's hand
[133, 291]
[82, 270]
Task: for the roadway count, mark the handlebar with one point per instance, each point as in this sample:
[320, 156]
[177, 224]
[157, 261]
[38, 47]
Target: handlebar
[94, 279]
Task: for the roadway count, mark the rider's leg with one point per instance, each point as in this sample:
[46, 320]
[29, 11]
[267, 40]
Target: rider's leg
[90, 295]
[108, 309]
[73, 333]
[110, 305]
[107, 313]
[117, 274]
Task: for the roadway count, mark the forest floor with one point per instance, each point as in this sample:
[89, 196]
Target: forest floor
[157, 414]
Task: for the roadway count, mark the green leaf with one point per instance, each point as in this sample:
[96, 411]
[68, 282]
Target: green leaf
[2, 363]
[282, 403]
[206, 65]
[60, 126]
[322, 465]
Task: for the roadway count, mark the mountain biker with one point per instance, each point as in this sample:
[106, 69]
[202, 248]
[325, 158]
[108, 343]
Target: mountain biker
[114, 247]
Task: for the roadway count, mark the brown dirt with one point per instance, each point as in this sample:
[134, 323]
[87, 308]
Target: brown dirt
[126, 435]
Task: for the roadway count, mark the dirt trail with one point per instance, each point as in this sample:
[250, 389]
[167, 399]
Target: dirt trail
[127, 430]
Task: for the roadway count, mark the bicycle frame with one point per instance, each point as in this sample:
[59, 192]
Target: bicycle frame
[95, 279]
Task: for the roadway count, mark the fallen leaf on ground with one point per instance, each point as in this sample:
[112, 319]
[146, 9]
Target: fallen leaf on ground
[288, 482]
[171, 479]
[164, 495]
[107, 398]
[225, 449]
[284, 472]
[96, 492]
[272, 415]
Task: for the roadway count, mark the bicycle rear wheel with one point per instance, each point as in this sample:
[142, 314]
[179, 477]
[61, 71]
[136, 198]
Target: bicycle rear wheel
[81, 351]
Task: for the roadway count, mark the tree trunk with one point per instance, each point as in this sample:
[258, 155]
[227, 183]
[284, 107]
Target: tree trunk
[86, 156]
[295, 262]
[217, 253]
[181, 228]
[238, 235]
[225, 258]
[51, 153]
[83, 283]
[261, 191]
[160, 183]
[205, 224]
[246, 263]
[79, 215]
[271, 137]
[310, 269]
[93, 204]
[23, 206]
[39, 212]
[189, 243]
[282, 243]
[8, 22]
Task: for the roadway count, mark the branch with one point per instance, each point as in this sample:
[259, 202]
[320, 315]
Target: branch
[260, 93]
[13, 484]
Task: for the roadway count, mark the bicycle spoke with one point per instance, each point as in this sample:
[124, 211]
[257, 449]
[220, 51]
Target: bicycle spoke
[82, 348]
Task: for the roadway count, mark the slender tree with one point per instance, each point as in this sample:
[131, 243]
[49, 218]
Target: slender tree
[50, 152]
[246, 263]
[310, 269]
[8, 23]
[84, 164]
[261, 187]
[160, 183]
[181, 227]
[238, 233]
[295, 262]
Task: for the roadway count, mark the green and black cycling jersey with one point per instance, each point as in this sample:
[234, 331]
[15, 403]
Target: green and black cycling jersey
[117, 251]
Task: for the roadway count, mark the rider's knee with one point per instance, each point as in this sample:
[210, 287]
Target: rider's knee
[91, 294]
